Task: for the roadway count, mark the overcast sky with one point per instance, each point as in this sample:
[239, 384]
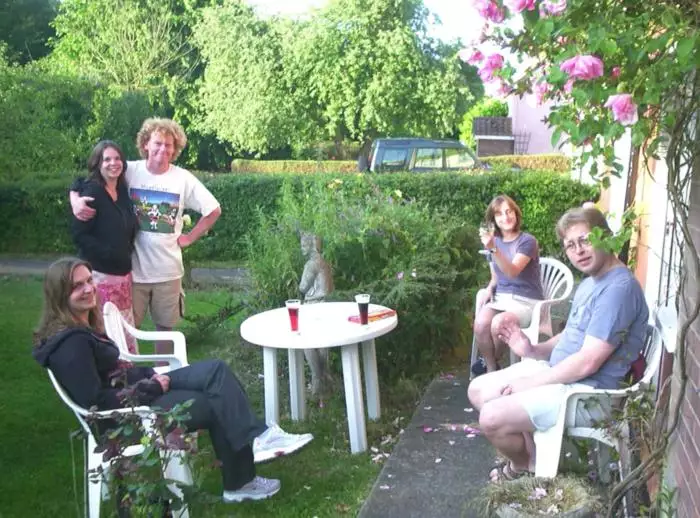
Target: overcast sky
[458, 17]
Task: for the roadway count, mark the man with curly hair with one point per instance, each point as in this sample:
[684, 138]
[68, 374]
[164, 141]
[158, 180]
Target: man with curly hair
[155, 182]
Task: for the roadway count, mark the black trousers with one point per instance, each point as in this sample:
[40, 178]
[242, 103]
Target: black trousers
[221, 406]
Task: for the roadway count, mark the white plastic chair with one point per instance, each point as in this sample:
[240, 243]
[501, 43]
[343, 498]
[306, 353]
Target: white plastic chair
[177, 468]
[548, 443]
[557, 284]
[116, 327]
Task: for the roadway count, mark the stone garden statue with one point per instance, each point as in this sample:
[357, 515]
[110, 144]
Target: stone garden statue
[316, 283]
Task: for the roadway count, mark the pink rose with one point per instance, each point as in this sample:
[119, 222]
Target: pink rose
[517, 6]
[553, 7]
[624, 109]
[474, 58]
[493, 62]
[615, 72]
[583, 67]
[504, 89]
[569, 86]
[489, 9]
[541, 90]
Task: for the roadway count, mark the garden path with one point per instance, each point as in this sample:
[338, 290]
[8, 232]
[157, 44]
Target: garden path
[440, 463]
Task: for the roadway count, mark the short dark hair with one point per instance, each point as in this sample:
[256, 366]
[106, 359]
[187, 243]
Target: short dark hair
[490, 215]
[591, 217]
[94, 163]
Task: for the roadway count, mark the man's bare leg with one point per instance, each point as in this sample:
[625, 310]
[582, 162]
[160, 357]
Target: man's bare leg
[505, 422]
[490, 386]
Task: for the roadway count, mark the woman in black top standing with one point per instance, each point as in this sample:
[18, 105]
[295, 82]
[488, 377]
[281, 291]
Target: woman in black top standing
[107, 240]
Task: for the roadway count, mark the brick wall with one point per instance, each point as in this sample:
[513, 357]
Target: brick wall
[685, 450]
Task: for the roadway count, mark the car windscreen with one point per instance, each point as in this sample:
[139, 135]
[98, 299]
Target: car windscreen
[459, 158]
[392, 159]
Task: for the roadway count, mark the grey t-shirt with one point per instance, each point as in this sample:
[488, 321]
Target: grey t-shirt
[611, 308]
[527, 283]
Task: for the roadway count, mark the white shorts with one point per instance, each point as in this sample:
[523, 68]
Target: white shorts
[520, 306]
[543, 403]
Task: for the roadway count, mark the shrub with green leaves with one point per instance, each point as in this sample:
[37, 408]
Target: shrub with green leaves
[485, 108]
[35, 214]
[410, 257]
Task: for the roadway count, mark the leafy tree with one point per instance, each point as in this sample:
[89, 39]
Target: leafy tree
[43, 121]
[484, 108]
[244, 97]
[25, 27]
[129, 43]
[139, 48]
[354, 70]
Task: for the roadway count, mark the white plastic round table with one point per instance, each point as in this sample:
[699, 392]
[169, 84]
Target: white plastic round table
[321, 325]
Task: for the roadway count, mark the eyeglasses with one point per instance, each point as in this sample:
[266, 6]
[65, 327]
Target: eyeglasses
[582, 242]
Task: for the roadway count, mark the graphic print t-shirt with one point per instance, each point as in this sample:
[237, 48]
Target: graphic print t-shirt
[159, 201]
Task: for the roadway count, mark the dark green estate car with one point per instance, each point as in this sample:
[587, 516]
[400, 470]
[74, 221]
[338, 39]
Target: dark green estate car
[420, 155]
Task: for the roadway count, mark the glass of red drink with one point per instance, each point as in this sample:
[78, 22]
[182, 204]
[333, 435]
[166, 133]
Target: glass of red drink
[363, 305]
[293, 306]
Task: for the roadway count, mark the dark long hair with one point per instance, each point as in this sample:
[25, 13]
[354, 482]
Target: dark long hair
[94, 163]
[56, 314]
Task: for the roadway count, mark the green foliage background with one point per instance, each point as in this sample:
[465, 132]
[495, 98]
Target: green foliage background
[36, 215]
[484, 108]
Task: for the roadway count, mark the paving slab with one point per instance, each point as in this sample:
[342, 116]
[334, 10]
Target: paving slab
[434, 473]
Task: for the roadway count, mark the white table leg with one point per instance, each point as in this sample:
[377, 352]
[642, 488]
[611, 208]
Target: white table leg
[272, 403]
[297, 392]
[369, 363]
[353, 398]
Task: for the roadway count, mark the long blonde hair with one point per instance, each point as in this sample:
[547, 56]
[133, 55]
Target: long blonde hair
[56, 314]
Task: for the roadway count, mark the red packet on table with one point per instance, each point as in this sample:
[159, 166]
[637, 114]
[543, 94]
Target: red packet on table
[374, 315]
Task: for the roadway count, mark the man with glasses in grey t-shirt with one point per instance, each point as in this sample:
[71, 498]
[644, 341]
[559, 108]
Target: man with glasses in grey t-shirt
[604, 334]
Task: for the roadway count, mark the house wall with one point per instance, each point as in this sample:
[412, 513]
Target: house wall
[684, 456]
[528, 118]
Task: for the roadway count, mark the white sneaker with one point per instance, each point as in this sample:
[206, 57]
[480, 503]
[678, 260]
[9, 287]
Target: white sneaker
[275, 442]
[257, 489]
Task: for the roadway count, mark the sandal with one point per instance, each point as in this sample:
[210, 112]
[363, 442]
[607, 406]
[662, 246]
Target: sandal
[505, 471]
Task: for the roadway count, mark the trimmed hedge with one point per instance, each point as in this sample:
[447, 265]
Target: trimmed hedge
[36, 214]
[550, 162]
[293, 166]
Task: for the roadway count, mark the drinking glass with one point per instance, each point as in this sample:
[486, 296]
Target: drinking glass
[363, 305]
[486, 228]
[293, 306]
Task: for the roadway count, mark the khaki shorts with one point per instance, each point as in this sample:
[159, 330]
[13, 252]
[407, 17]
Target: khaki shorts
[543, 403]
[520, 306]
[165, 301]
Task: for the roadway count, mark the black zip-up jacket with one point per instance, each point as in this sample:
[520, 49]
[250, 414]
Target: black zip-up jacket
[87, 366]
[107, 240]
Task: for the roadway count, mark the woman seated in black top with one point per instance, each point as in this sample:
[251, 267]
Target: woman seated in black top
[107, 240]
[70, 342]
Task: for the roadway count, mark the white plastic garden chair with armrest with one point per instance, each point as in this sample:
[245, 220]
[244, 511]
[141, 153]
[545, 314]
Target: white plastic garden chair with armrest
[116, 328]
[557, 285]
[548, 443]
[177, 468]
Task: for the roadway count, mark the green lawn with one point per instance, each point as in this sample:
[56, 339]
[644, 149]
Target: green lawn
[323, 480]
